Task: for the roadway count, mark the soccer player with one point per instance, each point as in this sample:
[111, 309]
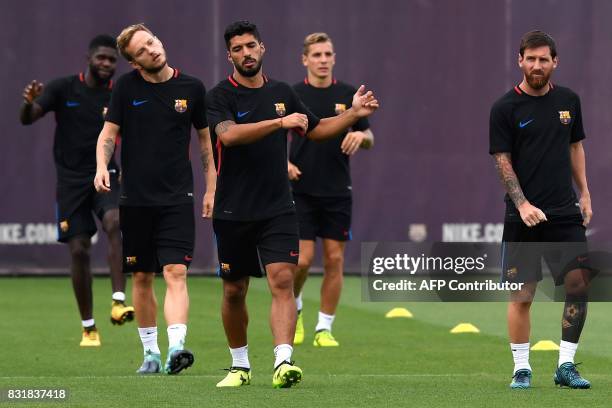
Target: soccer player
[536, 138]
[321, 183]
[154, 107]
[254, 214]
[80, 103]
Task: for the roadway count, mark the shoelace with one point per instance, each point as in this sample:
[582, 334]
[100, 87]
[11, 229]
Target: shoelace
[235, 369]
[520, 375]
[572, 373]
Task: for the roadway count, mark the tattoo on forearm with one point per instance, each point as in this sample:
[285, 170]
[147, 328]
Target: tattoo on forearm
[508, 177]
[109, 148]
[224, 126]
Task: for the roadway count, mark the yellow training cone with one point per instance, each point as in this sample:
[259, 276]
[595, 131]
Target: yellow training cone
[465, 328]
[545, 345]
[398, 312]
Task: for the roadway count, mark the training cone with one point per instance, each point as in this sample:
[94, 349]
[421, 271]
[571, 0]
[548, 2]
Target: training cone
[545, 345]
[465, 328]
[398, 312]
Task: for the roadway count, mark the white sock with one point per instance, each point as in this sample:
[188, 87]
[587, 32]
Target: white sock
[520, 353]
[567, 351]
[282, 352]
[176, 335]
[298, 302]
[88, 322]
[119, 296]
[240, 357]
[148, 337]
[325, 322]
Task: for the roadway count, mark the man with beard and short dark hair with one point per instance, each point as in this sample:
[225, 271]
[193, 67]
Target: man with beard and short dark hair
[254, 214]
[536, 138]
[154, 108]
[80, 103]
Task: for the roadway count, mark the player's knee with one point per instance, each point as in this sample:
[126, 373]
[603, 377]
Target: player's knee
[110, 222]
[304, 263]
[143, 280]
[175, 273]
[282, 281]
[234, 292]
[334, 259]
[521, 306]
[79, 249]
[576, 285]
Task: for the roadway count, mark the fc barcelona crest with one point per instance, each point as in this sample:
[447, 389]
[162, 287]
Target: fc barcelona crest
[180, 105]
[565, 117]
[340, 107]
[280, 109]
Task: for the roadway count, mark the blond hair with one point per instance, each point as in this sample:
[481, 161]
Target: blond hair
[126, 36]
[315, 38]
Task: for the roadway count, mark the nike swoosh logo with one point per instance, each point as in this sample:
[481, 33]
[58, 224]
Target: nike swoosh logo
[71, 104]
[523, 124]
[242, 114]
[138, 103]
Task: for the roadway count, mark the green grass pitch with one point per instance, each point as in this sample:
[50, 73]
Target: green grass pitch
[381, 362]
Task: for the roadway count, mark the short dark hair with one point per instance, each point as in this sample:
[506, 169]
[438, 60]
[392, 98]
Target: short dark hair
[102, 40]
[239, 28]
[535, 39]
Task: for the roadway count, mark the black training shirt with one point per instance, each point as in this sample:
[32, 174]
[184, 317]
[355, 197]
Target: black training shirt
[325, 169]
[252, 181]
[155, 124]
[537, 131]
[79, 115]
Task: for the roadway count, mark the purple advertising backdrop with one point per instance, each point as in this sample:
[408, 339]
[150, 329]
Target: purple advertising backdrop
[436, 66]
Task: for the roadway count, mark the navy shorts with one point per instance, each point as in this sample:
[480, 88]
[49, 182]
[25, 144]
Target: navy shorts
[560, 243]
[246, 247]
[78, 204]
[156, 236]
[324, 217]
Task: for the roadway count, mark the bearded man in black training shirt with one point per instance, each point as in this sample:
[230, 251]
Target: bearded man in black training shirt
[154, 107]
[80, 103]
[536, 138]
[254, 214]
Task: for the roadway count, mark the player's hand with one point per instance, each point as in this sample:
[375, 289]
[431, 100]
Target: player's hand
[208, 203]
[102, 181]
[364, 103]
[295, 121]
[585, 208]
[32, 91]
[531, 215]
[352, 142]
[294, 171]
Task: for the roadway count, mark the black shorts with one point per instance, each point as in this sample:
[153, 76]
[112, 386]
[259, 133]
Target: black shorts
[246, 247]
[156, 236]
[561, 243]
[325, 217]
[77, 204]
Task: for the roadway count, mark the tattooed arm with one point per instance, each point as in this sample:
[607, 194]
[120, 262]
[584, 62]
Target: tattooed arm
[208, 166]
[530, 214]
[232, 134]
[104, 152]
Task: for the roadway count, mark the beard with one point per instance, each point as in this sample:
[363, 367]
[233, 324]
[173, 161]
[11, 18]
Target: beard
[538, 82]
[249, 72]
[98, 77]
